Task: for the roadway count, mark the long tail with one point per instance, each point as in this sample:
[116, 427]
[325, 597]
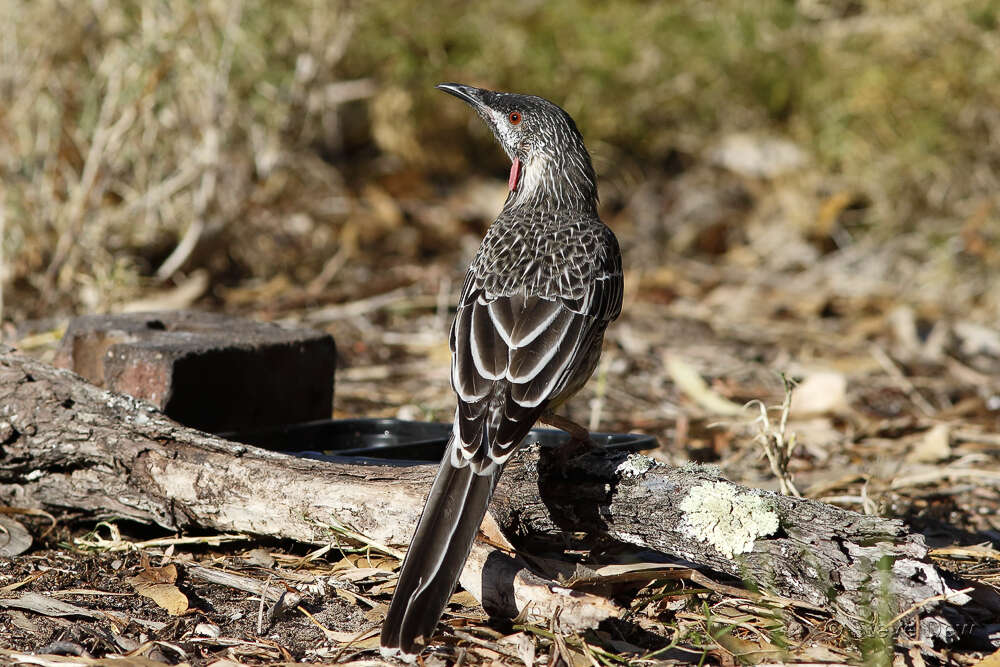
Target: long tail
[454, 510]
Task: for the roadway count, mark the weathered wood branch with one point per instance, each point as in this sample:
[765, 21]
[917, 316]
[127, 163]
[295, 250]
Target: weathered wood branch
[68, 445]
[796, 548]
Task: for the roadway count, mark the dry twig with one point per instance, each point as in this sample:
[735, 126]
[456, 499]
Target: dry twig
[776, 443]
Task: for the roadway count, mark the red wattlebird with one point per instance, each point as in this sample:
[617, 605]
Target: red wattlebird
[541, 290]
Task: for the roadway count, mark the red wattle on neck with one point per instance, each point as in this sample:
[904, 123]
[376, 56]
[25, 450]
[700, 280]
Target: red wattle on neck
[515, 175]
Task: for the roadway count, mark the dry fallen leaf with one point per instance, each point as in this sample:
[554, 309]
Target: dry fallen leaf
[352, 561]
[746, 651]
[632, 572]
[177, 298]
[691, 383]
[361, 574]
[157, 584]
[14, 538]
[363, 639]
[465, 599]
[934, 446]
[51, 660]
[47, 606]
[820, 393]
[523, 645]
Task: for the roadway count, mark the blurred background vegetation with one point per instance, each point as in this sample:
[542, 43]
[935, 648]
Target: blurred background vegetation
[235, 154]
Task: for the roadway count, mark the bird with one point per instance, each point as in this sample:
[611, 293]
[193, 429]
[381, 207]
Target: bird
[528, 333]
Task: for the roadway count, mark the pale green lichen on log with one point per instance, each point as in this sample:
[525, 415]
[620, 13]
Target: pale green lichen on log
[731, 521]
[712, 470]
[635, 465]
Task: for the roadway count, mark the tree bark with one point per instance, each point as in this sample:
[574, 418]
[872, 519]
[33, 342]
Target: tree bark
[842, 561]
[68, 445]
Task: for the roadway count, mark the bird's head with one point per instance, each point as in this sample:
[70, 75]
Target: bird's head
[550, 166]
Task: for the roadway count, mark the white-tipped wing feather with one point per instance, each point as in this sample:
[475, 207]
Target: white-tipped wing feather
[522, 344]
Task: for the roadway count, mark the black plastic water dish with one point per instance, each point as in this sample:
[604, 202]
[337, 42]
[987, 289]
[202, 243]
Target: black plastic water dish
[399, 439]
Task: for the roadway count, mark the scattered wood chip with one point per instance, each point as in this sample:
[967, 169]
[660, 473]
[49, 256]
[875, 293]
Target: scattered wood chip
[232, 580]
[523, 590]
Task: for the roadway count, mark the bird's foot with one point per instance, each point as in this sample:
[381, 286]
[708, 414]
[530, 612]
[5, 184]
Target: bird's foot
[579, 442]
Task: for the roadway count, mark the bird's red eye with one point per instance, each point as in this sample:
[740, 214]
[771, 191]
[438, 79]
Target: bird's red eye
[515, 117]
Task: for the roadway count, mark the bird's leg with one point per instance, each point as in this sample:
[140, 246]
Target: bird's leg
[576, 432]
[579, 437]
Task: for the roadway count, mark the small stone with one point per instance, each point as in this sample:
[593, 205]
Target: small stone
[207, 630]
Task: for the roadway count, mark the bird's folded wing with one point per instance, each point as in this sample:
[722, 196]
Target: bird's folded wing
[513, 354]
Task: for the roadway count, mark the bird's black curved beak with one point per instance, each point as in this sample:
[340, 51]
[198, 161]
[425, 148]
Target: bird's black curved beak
[468, 94]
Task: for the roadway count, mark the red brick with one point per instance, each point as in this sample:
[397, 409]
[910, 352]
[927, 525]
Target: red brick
[213, 372]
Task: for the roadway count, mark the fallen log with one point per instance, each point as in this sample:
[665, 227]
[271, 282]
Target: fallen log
[68, 445]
